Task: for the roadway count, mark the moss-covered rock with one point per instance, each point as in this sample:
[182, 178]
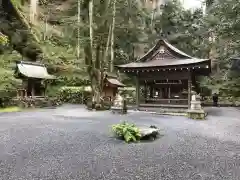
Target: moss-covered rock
[197, 114]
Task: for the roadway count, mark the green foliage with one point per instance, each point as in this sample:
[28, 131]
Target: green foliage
[10, 109]
[223, 100]
[3, 39]
[223, 20]
[75, 95]
[183, 28]
[129, 93]
[129, 132]
[17, 29]
[8, 83]
[57, 29]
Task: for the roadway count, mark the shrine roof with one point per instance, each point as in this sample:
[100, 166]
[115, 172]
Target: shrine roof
[33, 70]
[164, 54]
[163, 62]
[115, 82]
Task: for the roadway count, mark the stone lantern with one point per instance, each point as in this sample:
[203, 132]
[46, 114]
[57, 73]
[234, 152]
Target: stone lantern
[196, 111]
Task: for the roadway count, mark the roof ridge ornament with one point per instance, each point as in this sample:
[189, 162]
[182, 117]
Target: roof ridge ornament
[161, 50]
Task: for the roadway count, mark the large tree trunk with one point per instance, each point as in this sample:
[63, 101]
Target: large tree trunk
[94, 62]
[78, 35]
[94, 74]
[112, 37]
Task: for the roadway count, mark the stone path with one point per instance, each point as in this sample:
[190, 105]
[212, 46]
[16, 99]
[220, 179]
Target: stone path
[72, 143]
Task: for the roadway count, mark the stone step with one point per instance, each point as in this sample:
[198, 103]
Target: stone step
[163, 110]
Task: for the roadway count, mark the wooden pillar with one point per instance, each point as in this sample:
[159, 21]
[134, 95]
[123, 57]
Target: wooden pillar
[145, 92]
[32, 87]
[151, 91]
[33, 91]
[137, 91]
[189, 91]
[17, 93]
[169, 93]
[45, 88]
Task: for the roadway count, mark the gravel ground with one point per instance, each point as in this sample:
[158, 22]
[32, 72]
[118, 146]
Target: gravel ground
[69, 143]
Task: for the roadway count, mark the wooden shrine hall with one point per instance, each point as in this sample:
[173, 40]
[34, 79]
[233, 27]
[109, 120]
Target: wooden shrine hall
[33, 75]
[165, 76]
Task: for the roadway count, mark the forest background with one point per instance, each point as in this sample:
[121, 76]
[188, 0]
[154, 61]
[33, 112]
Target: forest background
[77, 39]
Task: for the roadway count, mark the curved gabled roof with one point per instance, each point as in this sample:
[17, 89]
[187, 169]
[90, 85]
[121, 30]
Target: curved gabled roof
[173, 50]
[164, 54]
[33, 70]
[179, 52]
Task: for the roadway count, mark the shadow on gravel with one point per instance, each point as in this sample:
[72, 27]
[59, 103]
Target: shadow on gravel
[145, 139]
[149, 139]
[213, 111]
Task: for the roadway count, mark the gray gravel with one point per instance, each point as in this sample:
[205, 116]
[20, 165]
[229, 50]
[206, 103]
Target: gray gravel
[71, 143]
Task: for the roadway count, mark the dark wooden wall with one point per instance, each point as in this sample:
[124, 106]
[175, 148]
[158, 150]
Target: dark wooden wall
[170, 75]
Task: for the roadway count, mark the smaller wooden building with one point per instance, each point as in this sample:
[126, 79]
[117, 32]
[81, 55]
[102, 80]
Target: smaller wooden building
[165, 75]
[111, 85]
[235, 64]
[34, 76]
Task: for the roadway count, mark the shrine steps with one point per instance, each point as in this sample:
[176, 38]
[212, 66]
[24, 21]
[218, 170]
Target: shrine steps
[168, 106]
[165, 111]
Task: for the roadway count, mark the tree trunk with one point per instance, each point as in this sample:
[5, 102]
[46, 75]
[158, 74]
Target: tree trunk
[94, 72]
[94, 63]
[105, 57]
[112, 38]
[91, 22]
[153, 13]
[78, 36]
[33, 10]
[87, 44]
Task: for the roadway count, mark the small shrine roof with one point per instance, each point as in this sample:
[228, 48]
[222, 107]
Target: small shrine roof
[33, 70]
[115, 82]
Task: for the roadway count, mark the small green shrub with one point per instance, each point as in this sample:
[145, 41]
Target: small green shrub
[74, 95]
[129, 93]
[5, 98]
[34, 102]
[128, 132]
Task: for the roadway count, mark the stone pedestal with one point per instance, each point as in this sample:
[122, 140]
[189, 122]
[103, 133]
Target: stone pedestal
[119, 105]
[149, 133]
[196, 111]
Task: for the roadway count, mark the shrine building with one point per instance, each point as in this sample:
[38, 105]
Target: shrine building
[165, 76]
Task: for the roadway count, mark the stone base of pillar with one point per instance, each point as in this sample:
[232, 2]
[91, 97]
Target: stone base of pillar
[196, 114]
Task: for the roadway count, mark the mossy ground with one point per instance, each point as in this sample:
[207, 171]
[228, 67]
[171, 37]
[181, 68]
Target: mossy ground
[10, 109]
